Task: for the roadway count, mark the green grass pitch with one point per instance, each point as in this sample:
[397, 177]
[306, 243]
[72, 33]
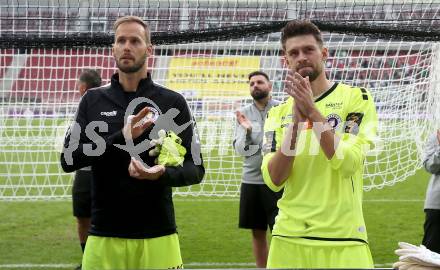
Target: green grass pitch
[38, 233]
[44, 232]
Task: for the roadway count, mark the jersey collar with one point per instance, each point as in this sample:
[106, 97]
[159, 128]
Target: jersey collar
[326, 93]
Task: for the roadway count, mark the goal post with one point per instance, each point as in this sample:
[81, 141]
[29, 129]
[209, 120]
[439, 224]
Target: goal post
[204, 50]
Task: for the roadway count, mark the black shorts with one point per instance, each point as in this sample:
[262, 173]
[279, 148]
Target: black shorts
[431, 238]
[81, 194]
[258, 206]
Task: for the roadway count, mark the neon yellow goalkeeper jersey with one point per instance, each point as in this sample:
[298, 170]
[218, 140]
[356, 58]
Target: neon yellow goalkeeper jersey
[322, 198]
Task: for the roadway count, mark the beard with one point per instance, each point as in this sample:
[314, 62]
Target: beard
[258, 94]
[134, 68]
[313, 74]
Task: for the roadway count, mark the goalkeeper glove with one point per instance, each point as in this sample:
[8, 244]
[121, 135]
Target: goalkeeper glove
[419, 256]
[168, 149]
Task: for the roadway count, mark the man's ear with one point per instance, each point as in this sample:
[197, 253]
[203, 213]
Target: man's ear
[149, 50]
[325, 53]
[82, 87]
[286, 60]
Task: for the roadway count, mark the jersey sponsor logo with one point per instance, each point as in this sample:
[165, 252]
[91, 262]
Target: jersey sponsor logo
[334, 105]
[352, 122]
[334, 120]
[112, 113]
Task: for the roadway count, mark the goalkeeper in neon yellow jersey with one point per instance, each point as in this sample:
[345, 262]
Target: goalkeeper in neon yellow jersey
[315, 145]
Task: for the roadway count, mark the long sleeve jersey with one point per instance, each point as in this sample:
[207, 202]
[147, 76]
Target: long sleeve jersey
[123, 206]
[322, 198]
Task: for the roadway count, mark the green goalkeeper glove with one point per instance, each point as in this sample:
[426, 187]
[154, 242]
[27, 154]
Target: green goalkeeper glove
[168, 149]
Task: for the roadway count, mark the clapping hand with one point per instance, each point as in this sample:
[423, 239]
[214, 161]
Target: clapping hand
[243, 121]
[137, 170]
[136, 124]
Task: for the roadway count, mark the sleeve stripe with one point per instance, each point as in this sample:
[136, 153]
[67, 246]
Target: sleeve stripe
[364, 93]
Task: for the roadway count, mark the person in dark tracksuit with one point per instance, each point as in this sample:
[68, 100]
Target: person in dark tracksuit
[133, 222]
[82, 183]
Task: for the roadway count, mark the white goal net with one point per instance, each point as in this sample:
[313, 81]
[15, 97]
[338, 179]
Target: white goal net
[205, 50]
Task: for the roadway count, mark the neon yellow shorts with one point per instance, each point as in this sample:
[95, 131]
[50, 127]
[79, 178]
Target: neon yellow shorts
[121, 253]
[302, 253]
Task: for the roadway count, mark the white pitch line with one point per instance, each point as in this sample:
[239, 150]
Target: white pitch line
[390, 200]
[233, 200]
[207, 200]
[383, 264]
[44, 266]
[179, 199]
[30, 265]
[217, 264]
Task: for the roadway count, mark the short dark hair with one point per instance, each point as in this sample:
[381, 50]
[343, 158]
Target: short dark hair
[298, 28]
[91, 78]
[256, 73]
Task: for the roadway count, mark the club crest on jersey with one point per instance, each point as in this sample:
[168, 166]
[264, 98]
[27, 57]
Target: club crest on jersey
[334, 120]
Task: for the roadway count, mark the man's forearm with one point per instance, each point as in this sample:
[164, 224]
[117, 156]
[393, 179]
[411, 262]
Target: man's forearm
[280, 164]
[243, 143]
[328, 140]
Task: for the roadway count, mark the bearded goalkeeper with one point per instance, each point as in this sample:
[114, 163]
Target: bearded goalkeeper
[315, 145]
